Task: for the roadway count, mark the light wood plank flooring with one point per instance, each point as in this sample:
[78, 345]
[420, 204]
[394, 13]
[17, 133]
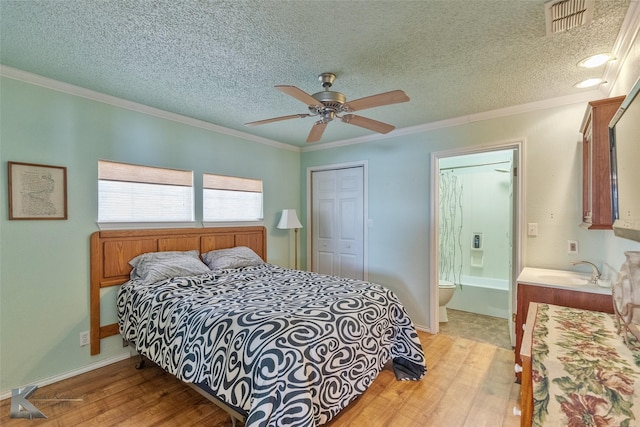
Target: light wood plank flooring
[468, 384]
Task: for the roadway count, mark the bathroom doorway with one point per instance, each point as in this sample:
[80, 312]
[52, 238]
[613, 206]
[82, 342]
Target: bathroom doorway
[476, 206]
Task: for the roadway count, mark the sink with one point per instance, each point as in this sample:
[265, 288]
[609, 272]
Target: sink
[564, 279]
[604, 283]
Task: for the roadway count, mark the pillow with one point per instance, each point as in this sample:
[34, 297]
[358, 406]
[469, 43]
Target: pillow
[152, 267]
[240, 256]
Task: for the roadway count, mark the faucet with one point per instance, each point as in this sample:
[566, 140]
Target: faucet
[595, 275]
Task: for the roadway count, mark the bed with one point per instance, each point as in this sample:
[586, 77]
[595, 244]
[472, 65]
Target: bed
[276, 346]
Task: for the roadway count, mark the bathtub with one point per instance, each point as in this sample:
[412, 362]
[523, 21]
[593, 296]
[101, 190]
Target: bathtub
[483, 295]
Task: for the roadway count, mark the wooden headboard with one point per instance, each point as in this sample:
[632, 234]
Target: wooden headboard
[112, 250]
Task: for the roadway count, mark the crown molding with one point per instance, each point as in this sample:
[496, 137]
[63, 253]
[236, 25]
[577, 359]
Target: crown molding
[37, 80]
[493, 114]
[623, 44]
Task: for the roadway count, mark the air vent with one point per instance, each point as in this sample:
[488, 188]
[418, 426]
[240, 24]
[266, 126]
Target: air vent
[563, 15]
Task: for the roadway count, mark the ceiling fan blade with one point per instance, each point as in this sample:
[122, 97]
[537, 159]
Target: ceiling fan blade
[393, 97]
[366, 123]
[316, 131]
[299, 94]
[277, 119]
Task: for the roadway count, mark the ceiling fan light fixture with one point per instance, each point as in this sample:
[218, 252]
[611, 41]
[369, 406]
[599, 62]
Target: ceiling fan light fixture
[589, 83]
[327, 116]
[594, 61]
[329, 104]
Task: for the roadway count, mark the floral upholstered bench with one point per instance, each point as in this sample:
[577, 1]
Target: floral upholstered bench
[577, 371]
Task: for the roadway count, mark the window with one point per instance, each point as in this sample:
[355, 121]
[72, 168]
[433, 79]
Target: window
[228, 198]
[133, 193]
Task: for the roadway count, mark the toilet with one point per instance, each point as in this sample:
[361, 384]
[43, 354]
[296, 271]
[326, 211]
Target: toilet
[445, 293]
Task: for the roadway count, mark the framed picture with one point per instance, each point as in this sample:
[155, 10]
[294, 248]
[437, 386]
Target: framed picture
[37, 191]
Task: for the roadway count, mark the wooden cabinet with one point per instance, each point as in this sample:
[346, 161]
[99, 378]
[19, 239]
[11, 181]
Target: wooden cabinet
[556, 296]
[597, 212]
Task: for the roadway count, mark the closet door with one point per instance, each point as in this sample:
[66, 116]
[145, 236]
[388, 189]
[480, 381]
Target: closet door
[337, 209]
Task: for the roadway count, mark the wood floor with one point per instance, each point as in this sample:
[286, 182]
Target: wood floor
[468, 384]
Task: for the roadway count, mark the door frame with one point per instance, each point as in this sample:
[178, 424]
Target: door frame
[517, 144]
[365, 220]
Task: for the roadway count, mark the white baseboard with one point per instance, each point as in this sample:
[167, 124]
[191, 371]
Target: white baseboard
[423, 328]
[7, 393]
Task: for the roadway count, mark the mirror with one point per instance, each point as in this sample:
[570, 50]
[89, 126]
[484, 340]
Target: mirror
[624, 139]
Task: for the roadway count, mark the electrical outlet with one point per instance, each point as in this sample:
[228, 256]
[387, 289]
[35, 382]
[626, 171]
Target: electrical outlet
[572, 247]
[84, 338]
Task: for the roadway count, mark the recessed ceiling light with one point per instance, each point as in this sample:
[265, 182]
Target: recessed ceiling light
[594, 61]
[589, 83]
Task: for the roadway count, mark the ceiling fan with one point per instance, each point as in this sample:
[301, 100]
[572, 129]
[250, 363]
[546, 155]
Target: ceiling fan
[328, 105]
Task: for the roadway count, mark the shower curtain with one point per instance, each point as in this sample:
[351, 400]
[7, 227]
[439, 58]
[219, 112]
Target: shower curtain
[450, 226]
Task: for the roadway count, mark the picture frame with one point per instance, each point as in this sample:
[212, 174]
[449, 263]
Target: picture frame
[37, 192]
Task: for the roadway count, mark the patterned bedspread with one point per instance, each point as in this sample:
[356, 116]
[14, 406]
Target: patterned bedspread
[286, 346]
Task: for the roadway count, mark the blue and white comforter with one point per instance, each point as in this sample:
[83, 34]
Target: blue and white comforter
[287, 347]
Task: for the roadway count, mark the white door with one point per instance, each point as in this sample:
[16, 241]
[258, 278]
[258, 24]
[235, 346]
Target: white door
[337, 209]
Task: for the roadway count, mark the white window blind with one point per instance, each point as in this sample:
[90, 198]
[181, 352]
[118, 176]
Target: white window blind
[229, 198]
[134, 193]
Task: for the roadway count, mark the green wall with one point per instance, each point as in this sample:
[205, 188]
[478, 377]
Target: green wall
[399, 200]
[44, 265]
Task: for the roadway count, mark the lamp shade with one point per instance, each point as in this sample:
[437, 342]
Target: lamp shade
[289, 219]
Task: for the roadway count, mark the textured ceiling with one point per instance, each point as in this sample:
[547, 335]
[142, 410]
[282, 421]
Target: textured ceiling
[219, 61]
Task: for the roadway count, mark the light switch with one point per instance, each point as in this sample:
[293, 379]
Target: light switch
[532, 229]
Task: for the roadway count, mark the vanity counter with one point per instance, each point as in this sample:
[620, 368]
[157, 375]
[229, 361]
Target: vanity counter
[561, 279]
[562, 288]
